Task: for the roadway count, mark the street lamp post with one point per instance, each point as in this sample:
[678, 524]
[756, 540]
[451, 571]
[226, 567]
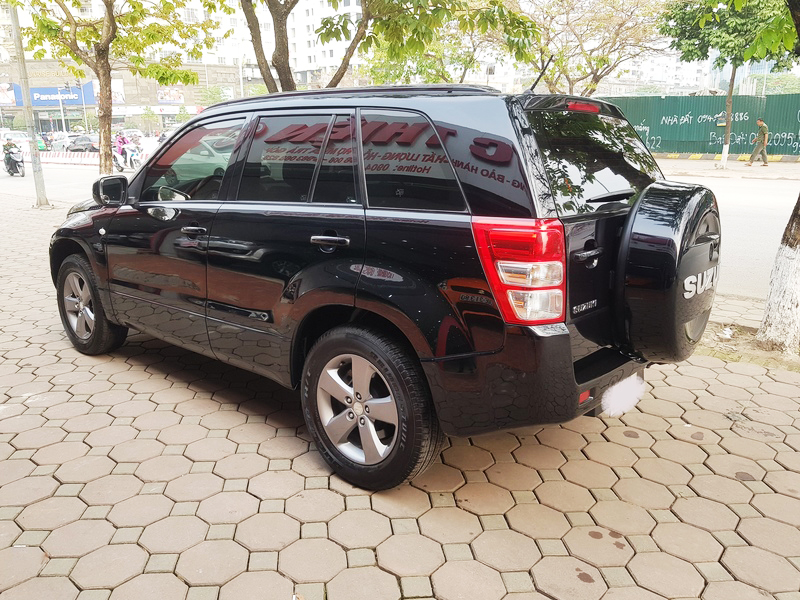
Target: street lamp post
[61, 106]
[83, 101]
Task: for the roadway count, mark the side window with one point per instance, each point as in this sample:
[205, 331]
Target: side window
[405, 164]
[282, 158]
[193, 166]
[336, 178]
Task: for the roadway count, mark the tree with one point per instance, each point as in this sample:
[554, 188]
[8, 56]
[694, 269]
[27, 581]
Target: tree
[149, 117]
[182, 115]
[449, 58]
[405, 27]
[257, 89]
[119, 38]
[590, 39]
[730, 32]
[213, 95]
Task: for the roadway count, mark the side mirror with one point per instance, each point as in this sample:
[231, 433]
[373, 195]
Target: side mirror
[111, 190]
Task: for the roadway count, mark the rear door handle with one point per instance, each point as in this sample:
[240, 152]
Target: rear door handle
[330, 241]
[585, 255]
[194, 230]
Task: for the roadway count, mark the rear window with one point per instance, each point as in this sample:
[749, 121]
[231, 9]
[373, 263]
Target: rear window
[590, 157]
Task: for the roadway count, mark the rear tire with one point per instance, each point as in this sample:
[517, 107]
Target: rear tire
[367, 405]
[81, 310]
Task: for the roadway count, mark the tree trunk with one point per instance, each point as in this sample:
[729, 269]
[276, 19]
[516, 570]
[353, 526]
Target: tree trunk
[104, 110]
[280, 58]
[726, 145]
[351, 49]
[780, 328]
[794, 10]
[255, 33]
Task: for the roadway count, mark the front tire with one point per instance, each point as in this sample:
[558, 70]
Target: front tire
[367, 405]
[21, 170]
[82, 313]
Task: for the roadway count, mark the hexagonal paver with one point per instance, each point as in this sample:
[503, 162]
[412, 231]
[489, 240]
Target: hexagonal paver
[589, 474]
[484, 499]
[761, 569]
[468, 458]
[27, 491]
[311, 560]
[513, 476]
[241, 466]
[164, 586]
[268, 532]
[251, 433]
[283, 447]
[410, 555]
[14, 470]
[629, 437]
[78, 538]
[450, 525]
[173, 534]
[564, 496]
[780, 538]
[644, 493]
[52, 588]
[610, 454]
[314, 505]
[778, 507]
[506, 550]
[705, 514]
[276, 485]
[21, 423]
[140, 511]
[467, 579]
[687, 542]
[784, 482]
[110, 489]
[210, 449]
[364, 583]
[359, 529]
[266, 585]
[109, 566]
[721, 489]
[568, 577]
[402, 502]
[20, 564]
[311, 464]
[679, 451]
[537, 456]
[163, 468]
[85, 469]
[537, 521]
[8, 533]
[496, 443]
[598, 546]
[156, 421]
[440, 478]
[726, 590]
[51, 513]
[38, 438]
[59, 453]
[212, 563]
[228, 507]
[622, 517]
[183, 433]
[666, 575]
[561, 439]
[193, 487]
[662, 471]
[137, 450]
[111, 436]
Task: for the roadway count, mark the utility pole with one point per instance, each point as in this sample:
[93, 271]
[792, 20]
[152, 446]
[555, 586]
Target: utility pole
[27, 110]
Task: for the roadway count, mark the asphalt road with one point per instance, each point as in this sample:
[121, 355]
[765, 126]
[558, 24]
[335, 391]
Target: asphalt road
[755, 204]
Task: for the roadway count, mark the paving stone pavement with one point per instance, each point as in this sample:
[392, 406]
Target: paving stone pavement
[157, 472]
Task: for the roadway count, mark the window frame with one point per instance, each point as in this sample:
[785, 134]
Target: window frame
[363, 171]
[233, 164]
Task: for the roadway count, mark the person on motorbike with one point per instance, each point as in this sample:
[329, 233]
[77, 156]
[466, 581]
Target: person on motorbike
[9, 146]
[122, 141]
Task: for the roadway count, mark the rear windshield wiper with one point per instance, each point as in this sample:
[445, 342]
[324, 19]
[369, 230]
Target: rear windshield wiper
[619, 196]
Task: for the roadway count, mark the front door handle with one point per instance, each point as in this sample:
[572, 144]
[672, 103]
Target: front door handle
[194, 230]
[330, 241]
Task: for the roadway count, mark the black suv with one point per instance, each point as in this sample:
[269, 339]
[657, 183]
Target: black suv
[418, 261]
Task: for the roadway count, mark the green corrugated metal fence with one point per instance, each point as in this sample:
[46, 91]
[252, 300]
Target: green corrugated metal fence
[696, 124]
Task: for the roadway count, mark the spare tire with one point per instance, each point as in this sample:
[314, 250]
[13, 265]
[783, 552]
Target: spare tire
[667, 271]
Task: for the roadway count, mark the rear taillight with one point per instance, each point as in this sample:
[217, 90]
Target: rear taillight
[525, 266]
[589, 107]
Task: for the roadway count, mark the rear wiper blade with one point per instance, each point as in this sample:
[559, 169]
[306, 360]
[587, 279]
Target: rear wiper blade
[619, 195]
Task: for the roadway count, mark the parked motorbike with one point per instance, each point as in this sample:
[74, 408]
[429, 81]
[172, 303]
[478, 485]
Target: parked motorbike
[14, 163]
[118, 160]
[134, 152]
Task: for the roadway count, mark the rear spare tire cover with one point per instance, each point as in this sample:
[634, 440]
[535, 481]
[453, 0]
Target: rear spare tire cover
[667, 271]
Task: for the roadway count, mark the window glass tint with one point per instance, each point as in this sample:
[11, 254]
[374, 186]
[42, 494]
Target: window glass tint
[589, 155]
[405, 164]
[282, 158]
[336, 178]
[192, 168]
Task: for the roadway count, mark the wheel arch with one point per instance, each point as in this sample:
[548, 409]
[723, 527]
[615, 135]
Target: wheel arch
[62, 248]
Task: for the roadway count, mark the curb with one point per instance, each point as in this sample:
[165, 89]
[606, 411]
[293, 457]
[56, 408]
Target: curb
[789, 158]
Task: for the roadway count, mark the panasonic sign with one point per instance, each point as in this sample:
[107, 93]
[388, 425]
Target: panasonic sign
[45, 97]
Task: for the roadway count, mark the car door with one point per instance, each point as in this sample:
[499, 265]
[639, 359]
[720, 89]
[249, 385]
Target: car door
[156, 244]
[291, 241]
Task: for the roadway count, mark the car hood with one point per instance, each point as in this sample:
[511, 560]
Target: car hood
[89, 204]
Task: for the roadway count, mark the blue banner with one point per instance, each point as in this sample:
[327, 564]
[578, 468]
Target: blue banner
[49, 96]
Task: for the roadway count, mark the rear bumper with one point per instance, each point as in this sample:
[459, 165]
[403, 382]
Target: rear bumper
[531, 381]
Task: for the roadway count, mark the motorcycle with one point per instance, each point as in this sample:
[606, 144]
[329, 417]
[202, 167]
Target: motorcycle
[134, 155]
[14, 163]
[118, 160]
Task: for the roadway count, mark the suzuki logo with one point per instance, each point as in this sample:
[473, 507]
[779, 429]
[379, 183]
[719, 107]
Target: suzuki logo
[697, 284]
